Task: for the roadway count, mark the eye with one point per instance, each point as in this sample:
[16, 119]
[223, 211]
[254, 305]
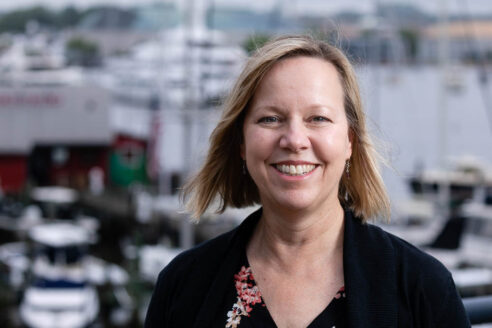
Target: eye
[268, 119]
[320, 119]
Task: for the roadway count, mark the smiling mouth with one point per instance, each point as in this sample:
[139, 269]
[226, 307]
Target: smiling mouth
[295, 170]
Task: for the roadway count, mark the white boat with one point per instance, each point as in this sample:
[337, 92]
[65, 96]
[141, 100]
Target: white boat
[456, 223]
[153, 258]
[60, 293]
[468, 178]
[59, 304]
[477, 240]
[438, 195]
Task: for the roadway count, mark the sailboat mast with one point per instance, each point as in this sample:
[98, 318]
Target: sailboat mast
[444, 196]
[443, 61]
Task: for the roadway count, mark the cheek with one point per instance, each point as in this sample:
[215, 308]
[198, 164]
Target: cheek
[257, 144]
[334, 146]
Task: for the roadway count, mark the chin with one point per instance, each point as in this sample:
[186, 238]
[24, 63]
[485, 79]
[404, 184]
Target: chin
[295, 202]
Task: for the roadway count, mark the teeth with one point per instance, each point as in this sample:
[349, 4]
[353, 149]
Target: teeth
[295, 169]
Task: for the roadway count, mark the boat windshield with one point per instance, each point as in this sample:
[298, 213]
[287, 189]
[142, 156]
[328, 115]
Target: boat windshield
[57, 283]
[488, 196]
[63, 255]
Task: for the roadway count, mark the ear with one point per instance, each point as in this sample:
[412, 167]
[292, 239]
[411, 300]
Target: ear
[350, 143]
[242, 151]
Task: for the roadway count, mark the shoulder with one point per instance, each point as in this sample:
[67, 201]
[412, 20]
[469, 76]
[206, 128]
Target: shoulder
[205, 256]
[203, 260]
[417, 270]
[369, 240]
[184, 282]
[410, 258]
[183, 285]
[425, 285]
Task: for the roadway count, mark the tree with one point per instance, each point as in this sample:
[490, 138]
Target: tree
[68, 17]
[80, 51]
[255, 41]
[15, 21]
[411, 41]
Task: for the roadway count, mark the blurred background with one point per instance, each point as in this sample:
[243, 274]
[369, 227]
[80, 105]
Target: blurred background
[106, 108]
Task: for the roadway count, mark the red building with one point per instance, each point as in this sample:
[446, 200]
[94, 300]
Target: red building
[13, 172]
[52, 136]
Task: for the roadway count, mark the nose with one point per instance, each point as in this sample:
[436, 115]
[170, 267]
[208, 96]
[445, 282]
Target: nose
[294, 137]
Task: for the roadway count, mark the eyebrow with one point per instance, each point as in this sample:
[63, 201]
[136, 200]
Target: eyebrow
[269, 107]
[281, 110]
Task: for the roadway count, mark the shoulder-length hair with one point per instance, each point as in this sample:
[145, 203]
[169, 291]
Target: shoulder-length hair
[221, 178]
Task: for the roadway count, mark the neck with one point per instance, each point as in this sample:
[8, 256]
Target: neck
[286, 239]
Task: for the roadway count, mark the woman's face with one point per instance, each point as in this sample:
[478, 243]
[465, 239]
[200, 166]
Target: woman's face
[296, 135]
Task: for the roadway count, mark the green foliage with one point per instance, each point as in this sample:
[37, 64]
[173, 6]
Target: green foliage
[255, 41]
[82, 52]
[329, 35]
[68, 17]
[80, 44]
[16, 20]
[411, 40]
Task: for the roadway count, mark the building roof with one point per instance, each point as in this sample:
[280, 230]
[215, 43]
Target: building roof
[53, 115]
[462, 29]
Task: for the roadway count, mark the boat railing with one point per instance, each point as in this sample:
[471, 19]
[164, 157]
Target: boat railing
[479, 309]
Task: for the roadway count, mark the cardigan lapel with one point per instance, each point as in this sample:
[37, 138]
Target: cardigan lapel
[369, 262]
[370, 276]
[226, 271]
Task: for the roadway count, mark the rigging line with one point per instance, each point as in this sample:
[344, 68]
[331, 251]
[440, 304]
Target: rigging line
[470, 35]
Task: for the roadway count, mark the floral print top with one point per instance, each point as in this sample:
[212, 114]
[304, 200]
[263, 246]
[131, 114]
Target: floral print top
[248, 309]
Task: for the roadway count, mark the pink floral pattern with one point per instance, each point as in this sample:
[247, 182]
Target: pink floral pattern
[248, 295]
[340, 293]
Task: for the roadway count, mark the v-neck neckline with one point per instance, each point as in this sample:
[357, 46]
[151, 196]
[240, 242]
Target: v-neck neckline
[318, 322]
[362, 274]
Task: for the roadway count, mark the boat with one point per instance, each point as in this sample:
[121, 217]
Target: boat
[60, 281]
[59, 293]
[437, 199]
[452, 221]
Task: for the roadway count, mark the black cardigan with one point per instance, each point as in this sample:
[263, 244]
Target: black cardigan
[388, 282]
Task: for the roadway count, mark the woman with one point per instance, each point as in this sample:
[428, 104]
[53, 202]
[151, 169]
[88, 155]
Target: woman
[293, 139]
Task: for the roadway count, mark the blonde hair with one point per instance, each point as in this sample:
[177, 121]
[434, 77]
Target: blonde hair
[363, 191]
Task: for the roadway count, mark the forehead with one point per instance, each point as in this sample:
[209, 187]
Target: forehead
[313, 64]
[300, 80]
